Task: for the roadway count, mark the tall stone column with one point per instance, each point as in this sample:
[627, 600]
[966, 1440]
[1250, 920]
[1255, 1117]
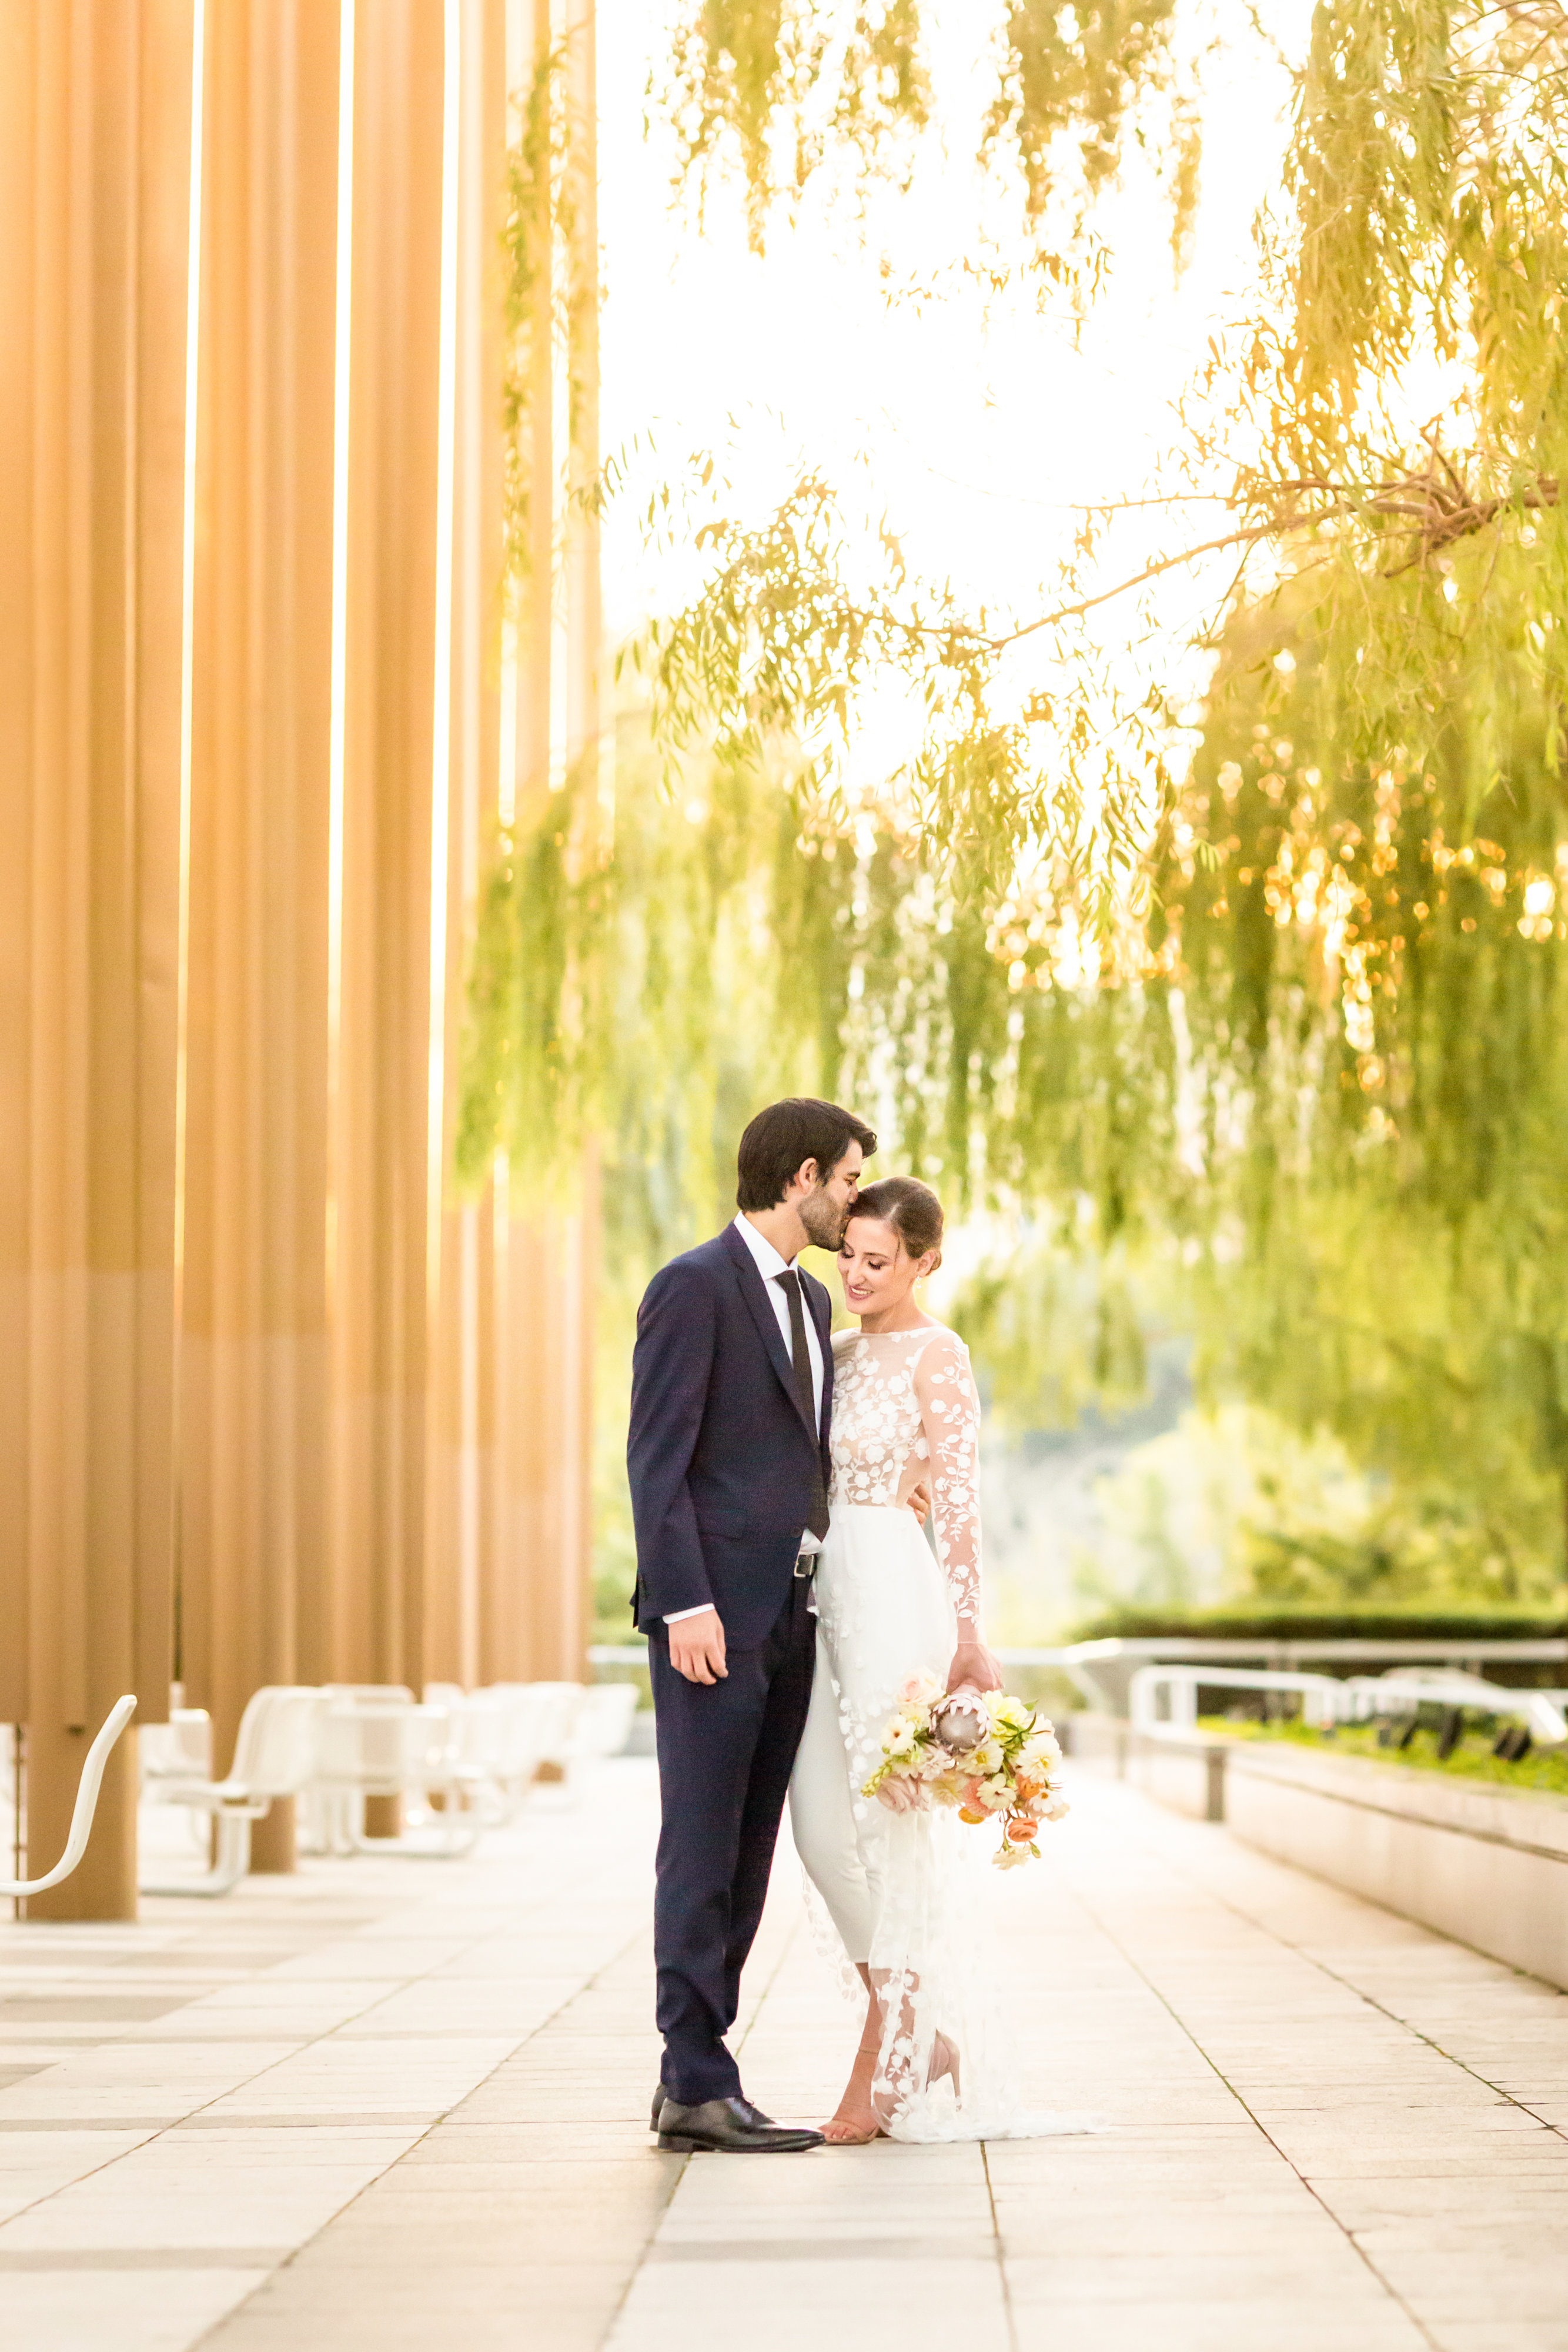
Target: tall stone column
[461, 1432]
[255, 1366]
[588, 750]
[537, 1599]
[385, 1139]
[95, 129]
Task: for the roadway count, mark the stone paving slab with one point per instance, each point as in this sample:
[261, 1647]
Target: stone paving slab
[389, 2103]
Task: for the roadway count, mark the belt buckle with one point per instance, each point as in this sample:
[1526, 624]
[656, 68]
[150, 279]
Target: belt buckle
[805, 1564]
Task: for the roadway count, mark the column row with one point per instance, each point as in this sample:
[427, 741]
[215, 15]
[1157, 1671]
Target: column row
[276, 1394]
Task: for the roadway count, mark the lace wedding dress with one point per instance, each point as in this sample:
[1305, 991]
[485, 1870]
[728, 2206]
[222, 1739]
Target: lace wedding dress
[900, 1889]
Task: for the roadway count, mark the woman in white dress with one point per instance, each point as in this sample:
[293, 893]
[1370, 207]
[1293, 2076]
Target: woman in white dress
[897, 1886]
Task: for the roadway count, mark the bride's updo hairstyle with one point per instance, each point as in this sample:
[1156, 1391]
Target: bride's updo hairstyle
[910, 1207]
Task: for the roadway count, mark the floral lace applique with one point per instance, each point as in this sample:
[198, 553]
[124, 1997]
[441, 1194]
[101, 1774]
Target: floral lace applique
[903, 1400]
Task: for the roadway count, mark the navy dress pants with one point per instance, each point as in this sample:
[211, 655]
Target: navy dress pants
[726, 1751]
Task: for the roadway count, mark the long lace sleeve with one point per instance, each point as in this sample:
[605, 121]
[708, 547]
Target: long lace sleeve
[950, 1422]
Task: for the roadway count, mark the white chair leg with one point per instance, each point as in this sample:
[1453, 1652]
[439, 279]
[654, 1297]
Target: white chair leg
[231, 1861]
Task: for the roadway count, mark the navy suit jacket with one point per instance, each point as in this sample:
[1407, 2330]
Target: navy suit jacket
[720, 1452]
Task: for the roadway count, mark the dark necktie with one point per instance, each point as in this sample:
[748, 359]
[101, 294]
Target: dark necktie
[800, 1356]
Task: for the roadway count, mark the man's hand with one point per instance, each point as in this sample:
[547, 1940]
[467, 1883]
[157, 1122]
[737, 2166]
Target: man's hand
[696, 1648]
[918, 1500]
[972, 1664]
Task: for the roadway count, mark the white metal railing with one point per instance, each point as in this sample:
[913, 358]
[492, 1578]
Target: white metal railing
[1178, 1686]
[1329, 1698]
[1103, 1671]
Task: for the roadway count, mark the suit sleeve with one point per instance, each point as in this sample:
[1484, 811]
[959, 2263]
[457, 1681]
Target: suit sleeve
[670, 1367]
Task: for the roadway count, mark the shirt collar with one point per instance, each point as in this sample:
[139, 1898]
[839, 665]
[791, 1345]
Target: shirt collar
[769, 1264]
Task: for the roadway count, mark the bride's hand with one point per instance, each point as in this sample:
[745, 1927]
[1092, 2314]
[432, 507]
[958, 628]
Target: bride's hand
[972, 1665]
[918, 1500]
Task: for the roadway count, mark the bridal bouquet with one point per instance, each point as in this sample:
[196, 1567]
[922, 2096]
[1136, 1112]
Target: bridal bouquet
[984, 1753]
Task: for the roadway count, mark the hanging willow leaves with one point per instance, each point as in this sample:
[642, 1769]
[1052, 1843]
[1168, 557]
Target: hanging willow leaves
[773, 90]
[1072, 78]
[1406, 392]
[1388, 427]
[790, 635]
[1368, 996]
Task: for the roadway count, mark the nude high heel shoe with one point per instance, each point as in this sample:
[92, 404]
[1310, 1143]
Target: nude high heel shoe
[945, 2060]
[838, 2134]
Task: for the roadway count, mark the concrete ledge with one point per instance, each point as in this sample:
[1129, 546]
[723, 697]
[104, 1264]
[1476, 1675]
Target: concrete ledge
[1184, 1769]
[1486, 1866]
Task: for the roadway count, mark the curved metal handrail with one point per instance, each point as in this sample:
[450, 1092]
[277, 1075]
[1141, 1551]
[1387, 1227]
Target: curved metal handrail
[114, 1722]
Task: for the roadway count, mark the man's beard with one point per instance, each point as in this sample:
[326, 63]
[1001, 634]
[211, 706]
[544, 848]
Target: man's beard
[824, 1220]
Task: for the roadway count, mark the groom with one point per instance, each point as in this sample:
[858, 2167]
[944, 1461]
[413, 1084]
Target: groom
[731, 1394]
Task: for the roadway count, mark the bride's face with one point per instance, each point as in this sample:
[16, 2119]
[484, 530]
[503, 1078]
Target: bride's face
[877, 1271]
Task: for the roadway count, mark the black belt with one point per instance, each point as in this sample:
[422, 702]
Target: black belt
[806, 1564]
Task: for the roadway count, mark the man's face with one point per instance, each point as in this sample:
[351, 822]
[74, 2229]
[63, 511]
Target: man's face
[825, 1203]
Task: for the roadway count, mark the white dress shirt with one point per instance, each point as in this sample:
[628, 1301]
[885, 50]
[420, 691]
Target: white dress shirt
[770, 1266]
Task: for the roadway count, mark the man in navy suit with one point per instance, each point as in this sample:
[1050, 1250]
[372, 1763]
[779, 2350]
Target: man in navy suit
[731, 1395]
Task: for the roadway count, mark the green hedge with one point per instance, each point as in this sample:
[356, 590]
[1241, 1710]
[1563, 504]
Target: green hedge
[1319, 1625]
[1473, 1760]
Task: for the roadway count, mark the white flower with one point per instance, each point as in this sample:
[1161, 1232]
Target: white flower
[899, 1739]
[987, 1757]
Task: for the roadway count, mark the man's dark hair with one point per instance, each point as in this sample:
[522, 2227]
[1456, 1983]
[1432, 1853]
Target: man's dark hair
[780, 1138]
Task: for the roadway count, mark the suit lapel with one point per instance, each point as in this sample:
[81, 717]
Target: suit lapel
[822, 1315]
[754, 1290]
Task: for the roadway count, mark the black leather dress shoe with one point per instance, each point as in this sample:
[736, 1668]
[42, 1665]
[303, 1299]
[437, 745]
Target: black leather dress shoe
[728, 2127]
[752, 2114]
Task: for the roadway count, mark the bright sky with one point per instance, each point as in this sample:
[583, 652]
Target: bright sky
[981, 434]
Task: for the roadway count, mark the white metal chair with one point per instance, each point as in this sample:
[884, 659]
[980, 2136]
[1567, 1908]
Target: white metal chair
[332, 1810]
[535, 1725]
[180, 1749]
[370, 1748]
[87, 1787]
[274, 1756]
[603, 1721]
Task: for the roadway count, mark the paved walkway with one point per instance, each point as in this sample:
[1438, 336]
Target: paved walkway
[390, 2103]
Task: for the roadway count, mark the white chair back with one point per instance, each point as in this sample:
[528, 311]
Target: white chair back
[384, 1750]
[604, 1718]
[274, 1752]
[550, 1711]
[180, 1749]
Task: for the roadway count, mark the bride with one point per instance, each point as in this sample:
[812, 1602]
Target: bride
[929, 2065]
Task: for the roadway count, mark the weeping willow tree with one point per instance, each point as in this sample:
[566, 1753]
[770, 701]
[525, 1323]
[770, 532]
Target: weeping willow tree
[1387, 424]
[1367, 1006]
[1273, 999]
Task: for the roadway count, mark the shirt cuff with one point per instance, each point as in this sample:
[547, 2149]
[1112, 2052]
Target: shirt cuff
[678, 1616]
